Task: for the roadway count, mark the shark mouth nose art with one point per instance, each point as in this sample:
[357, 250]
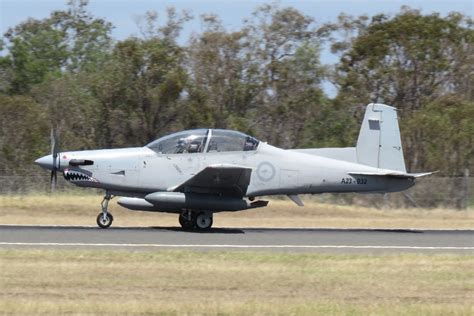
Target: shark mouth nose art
[77, 176]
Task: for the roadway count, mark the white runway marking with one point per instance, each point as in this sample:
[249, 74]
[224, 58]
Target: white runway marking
[234, 246]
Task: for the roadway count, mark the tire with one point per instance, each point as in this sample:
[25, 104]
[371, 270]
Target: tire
[185, 223]
[203, 221]
[104, 224]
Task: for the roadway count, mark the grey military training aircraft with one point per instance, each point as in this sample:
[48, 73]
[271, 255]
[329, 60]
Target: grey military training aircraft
[196, 173]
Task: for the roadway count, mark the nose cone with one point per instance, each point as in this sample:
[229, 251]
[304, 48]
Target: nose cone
[45, 162]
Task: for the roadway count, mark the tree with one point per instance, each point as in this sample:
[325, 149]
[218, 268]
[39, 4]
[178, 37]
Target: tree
[263, 79]
[36, 48]
[140, 87]
[223, 82]
[285, 47]
[71, 110]
[409, 61]
[88, 38]
[23, 126]
[448, 130]
[70, 40]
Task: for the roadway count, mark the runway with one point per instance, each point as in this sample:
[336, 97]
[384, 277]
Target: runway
[271, 239]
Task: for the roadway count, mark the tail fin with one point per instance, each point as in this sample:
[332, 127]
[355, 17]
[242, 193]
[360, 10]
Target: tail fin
[379, 144]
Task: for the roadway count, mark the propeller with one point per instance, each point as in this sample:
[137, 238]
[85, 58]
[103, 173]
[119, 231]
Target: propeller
[56, 161]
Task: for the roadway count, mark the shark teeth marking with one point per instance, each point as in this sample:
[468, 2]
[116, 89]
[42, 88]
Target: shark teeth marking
[77, 176]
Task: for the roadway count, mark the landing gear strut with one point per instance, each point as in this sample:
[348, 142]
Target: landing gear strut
[192, 220]
[105, 219]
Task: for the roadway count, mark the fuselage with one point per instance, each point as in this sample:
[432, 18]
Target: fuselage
[140, 171]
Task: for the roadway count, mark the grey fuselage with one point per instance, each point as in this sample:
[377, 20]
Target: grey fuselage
[136, 172]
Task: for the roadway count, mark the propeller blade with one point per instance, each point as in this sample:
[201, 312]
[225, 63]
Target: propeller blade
[55, 154]
[53, 141]
[54, 180]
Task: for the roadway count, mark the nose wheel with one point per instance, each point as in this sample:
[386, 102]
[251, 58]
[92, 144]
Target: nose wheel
[105, 219]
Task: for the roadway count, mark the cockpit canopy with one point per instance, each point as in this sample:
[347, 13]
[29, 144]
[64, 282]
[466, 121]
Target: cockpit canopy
[204, 140]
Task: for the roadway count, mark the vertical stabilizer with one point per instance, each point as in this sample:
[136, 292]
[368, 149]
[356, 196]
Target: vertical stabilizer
[379, 144]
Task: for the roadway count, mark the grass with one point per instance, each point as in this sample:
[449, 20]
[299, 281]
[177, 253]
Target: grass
[67, 281]
[48, 281]
[69, 209]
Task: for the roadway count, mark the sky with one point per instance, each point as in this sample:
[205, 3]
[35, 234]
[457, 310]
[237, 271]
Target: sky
[123, 13]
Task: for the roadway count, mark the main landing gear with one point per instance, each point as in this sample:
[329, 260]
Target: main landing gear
[195, 220]
[105, 219]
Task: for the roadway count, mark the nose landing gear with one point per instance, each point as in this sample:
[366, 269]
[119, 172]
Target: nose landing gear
[105, 219]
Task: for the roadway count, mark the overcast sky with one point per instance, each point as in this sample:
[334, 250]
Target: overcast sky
[123, 13]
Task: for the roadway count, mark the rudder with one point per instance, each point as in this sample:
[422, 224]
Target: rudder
[379, 144]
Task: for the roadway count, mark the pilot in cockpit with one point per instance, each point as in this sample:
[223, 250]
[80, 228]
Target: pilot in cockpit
[181, 146]
[250, 143]
[194, 147]
[184, 147]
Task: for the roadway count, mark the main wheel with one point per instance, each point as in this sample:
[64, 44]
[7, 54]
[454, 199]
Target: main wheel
[104, 222]
[185, 223]
[204, 220]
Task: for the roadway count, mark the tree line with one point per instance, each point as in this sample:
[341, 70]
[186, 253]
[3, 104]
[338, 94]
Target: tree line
[266, 78]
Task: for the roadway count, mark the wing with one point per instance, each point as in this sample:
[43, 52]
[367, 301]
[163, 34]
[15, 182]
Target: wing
[223, 179]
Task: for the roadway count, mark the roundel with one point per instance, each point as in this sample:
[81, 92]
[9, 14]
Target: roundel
[265, 171]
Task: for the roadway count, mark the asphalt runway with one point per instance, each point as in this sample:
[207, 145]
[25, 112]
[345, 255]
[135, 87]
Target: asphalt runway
[276, 239]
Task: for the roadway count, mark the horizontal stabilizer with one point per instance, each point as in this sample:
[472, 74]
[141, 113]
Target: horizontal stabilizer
[393, 174]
